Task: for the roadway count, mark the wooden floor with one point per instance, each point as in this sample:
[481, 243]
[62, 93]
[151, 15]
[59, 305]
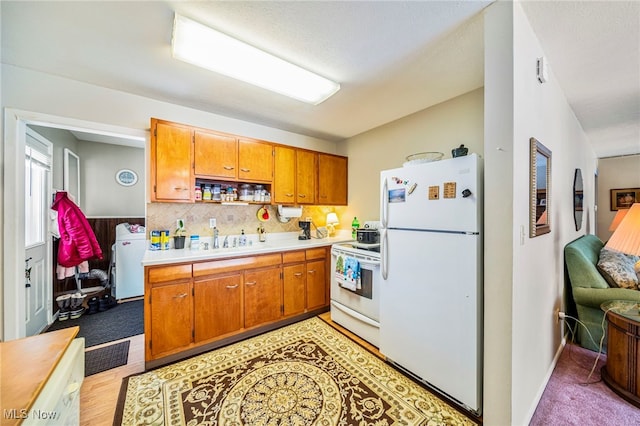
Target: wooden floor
[99, 393]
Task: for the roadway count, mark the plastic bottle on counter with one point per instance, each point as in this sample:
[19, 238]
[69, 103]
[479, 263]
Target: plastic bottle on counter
[198, 193]
[355, 224]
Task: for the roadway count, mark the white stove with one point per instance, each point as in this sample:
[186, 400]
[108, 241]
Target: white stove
[355, 304]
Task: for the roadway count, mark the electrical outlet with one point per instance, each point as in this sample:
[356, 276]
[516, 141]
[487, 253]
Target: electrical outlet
[212, 222]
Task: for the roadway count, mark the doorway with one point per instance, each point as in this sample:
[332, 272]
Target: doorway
[15, 242]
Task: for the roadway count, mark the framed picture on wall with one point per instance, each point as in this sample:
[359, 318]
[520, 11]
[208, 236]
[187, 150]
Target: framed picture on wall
[624, 198]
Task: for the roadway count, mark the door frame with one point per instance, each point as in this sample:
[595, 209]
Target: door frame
[13, 246]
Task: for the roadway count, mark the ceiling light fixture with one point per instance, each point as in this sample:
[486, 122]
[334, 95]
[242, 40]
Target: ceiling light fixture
[207, 48]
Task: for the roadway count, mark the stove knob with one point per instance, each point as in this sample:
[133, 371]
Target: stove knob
[466, 193]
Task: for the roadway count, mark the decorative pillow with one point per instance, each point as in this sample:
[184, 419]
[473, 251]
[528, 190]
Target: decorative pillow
[617, 269]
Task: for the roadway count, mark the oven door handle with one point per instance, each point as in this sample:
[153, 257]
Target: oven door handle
[355, 314]
[384, 256]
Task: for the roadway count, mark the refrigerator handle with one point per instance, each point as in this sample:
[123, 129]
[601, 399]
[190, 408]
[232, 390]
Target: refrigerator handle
[384, 204]
[384, 257]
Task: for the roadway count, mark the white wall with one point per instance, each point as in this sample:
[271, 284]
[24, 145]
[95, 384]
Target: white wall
[47, 94]
[614, 173]
[531, 335]
[440, 128]
[101, 195]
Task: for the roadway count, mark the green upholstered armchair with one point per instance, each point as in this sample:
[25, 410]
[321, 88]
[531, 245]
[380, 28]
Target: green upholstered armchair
[590, 289]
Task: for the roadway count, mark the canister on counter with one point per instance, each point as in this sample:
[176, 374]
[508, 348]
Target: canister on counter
[164, 239]
[195, 242]
[155, 240]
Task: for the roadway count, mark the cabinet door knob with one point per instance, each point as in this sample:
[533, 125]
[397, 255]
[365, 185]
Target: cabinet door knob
[250, 283]
[180, 296]
[302, 196]
[288, 195]
[313, 271]
[298, 274]
[245, 170]
[232, 286]
[228, 167]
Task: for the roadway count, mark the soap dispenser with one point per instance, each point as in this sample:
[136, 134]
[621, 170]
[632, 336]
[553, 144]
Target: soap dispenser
[242, 241]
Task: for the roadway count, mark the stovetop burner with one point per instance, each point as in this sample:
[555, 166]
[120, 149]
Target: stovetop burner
[373, 249]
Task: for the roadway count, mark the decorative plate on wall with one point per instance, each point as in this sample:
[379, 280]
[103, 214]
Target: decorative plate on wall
[126, 177]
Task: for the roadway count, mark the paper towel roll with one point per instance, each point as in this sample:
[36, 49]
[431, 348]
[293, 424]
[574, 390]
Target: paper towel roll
[289, 211]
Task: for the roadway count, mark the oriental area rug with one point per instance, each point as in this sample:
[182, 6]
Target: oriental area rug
[307, 373]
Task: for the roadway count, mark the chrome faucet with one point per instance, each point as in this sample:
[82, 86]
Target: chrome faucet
[225, 243]
[216, 241]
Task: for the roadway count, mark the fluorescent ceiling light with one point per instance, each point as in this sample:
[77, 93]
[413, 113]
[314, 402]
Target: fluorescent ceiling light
[207, 48]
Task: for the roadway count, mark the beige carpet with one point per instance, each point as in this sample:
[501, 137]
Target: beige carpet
[307, 373]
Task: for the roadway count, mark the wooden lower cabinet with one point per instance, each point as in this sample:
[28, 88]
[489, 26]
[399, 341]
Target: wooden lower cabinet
[171, 318]
[262, 296]
[217, 306]
[294, 284]
[191, 306]
[316, 284]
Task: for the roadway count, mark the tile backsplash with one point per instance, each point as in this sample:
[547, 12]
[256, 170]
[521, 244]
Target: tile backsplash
[230, 219]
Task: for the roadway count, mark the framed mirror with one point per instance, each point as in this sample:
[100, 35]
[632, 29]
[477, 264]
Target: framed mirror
[577, 199]
[71, 181]
[539, 189]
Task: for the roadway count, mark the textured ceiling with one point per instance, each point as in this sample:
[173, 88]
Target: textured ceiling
[391, 58]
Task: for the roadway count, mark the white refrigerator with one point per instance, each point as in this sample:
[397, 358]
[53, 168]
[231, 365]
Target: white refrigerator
[431, 266]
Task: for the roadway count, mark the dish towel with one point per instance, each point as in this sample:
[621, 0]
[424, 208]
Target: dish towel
[348, 273]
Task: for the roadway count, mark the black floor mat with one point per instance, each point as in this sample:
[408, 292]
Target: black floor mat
[106, 358]
[122, 321]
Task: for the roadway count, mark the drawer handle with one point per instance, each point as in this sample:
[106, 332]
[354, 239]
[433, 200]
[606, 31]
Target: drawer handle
[323, 196]
[245, 170]
[230, 287]
[180, 296]
[177, 188]
[250, 283]
[302, 196]
[289, 195]
[313, 271]
[228, 167]
[70, 393]
[298, 274]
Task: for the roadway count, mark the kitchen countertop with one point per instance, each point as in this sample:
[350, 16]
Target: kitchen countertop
[276, 242]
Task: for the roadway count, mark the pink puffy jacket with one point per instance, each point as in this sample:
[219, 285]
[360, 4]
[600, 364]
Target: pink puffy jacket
[77, 240]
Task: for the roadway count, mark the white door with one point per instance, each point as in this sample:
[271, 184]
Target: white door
[38, 272]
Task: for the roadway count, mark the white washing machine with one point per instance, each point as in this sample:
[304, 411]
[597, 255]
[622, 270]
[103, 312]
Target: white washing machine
[129, 250]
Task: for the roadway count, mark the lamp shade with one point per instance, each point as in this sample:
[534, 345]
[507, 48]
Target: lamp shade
[332, 219]
[626, 238]
[620, 214]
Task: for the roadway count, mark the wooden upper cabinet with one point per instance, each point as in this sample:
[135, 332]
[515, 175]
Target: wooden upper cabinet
[171, 162]
[216, 155]
[284, 178]
[255, 161]
[332, 179]
[306, 172]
